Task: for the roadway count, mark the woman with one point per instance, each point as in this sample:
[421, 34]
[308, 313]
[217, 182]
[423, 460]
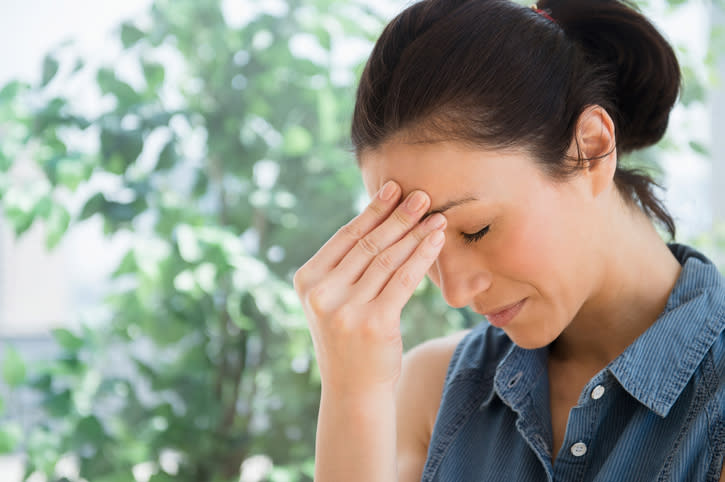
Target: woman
[489, 136]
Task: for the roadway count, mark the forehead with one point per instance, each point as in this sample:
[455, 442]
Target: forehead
[445, 168]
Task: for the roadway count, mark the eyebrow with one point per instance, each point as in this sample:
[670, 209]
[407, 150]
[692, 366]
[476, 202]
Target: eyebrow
[449, 205]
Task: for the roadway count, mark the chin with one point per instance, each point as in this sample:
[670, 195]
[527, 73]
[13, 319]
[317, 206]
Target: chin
[528, 342]
[529, 337]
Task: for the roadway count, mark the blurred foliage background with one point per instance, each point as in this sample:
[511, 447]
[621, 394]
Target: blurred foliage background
[222, 149]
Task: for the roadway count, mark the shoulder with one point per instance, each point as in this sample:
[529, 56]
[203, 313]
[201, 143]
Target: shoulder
[424, 372]
[417, 400]
[429, 366]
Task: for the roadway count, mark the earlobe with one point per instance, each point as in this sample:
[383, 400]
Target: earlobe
[595, 138]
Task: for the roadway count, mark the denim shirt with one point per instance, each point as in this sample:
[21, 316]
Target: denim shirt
[656, 412]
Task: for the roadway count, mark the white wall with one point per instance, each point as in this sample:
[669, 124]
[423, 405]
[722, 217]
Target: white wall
[40, 290]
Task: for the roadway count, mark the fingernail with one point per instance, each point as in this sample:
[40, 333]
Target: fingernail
[436, 239]
[387, 191]
[416, 201]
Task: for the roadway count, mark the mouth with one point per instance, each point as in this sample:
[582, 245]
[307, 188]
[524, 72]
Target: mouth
[505, 314]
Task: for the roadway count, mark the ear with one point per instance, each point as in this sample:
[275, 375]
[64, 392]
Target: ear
[595, 143]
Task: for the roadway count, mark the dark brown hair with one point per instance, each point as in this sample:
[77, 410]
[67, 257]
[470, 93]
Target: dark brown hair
[495, 74]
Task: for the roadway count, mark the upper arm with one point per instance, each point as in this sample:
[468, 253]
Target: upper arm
[417, 400]
[722, 474]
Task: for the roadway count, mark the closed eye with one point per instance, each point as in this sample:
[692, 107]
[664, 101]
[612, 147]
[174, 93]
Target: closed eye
[472, 238]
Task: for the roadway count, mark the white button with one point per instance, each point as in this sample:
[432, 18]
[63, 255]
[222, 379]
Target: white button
[578, 449]
[597, 392]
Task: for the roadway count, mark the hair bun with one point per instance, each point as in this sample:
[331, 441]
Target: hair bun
[615, 36]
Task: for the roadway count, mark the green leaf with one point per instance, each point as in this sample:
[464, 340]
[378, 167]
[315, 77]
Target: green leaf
[50, 68]
[49, 117]
[699, 148]
[71, 172]
[67, 339]
[693, 89]
[236, 314]
[90, 431]
[128, 265]
[12, 90]
[43, 207]
[154, 74]
[57, 226]
[42, 382]
[297, 141]
[130, 35]
[123, 212]
[78, 65]
[10, 436]
[110, 84]
[93, 206]
[282, 474]
[119, 149]
[324, 37]
[22, 222]
[120, 475]
[59, 404]
[167, 156]
[327, 108]
[14, 371]
[162, 477]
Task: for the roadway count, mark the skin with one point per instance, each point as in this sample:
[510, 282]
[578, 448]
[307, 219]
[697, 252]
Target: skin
[589, 264]
[593, 270]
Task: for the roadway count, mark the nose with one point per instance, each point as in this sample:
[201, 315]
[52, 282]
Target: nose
[459, 277]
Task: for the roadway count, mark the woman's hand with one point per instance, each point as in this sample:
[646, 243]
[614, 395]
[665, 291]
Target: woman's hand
[355, 287]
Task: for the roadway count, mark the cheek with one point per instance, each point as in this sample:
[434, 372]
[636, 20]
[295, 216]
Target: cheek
[526, 251]
[540, 249]
[541, 253]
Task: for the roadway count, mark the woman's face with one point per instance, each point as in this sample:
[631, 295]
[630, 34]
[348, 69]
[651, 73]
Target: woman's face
[541, 233]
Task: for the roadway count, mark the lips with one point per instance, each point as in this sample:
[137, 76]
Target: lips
[504, 315]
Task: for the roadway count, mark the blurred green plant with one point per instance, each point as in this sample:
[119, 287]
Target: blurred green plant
[225, 143]
[218, 144]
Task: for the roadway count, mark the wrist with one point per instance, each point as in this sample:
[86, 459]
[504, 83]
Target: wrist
[367, 401]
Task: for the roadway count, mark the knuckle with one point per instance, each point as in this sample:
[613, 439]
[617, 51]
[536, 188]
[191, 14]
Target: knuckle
[316, 299]
[299, 281]
[420, 234]
[377, 209]
[343, 320]
[406, 279]
[368, 246]
[369, 331]
[378, 329]
[401, 218]
[385, 261]
[351, 230]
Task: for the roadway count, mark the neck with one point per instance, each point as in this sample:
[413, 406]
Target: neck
[638, 274]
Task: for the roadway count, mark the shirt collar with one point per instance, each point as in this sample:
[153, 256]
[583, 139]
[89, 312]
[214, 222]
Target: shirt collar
[658, 365]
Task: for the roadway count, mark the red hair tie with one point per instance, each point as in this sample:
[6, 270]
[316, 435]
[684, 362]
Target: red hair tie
[543, 13]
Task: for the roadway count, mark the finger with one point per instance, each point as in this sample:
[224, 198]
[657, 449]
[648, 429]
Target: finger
[392, 230]
[335, 249]
[332, 252]
[406, 279]
[384, 266]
